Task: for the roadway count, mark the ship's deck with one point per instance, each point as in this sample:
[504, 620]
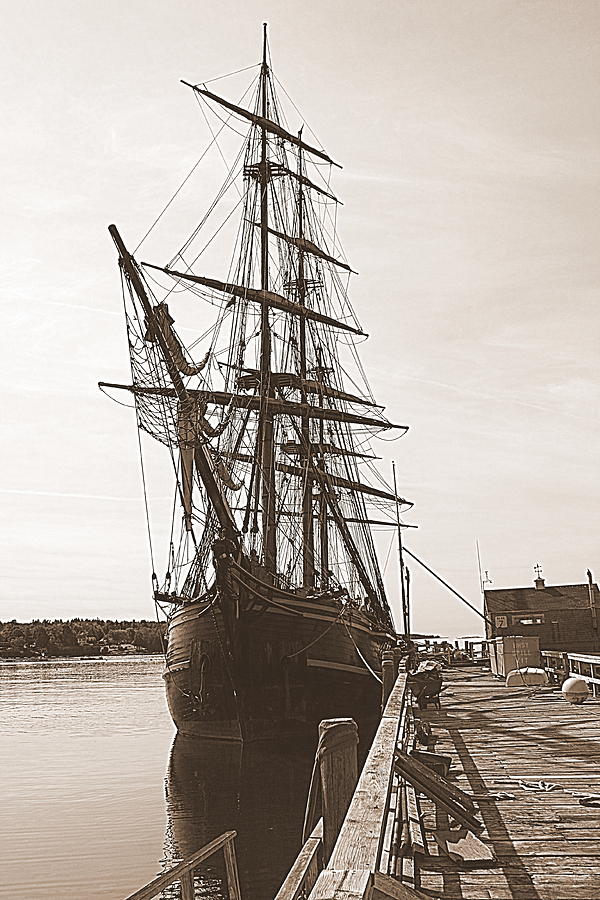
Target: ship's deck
[546, 842]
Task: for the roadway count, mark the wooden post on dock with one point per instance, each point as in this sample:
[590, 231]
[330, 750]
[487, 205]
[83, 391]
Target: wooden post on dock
[338, 766]
[388, 673]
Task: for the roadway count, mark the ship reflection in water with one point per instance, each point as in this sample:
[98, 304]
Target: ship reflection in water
[258, 790]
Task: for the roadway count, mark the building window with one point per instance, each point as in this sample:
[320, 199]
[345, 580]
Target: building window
[530, 619]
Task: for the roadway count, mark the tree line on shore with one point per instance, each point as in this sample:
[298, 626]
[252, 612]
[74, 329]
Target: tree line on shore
[79, 637]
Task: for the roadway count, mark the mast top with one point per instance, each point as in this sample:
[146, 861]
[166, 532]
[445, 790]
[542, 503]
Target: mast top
[264, 59]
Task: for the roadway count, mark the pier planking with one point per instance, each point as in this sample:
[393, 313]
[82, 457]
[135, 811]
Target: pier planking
[546, 842]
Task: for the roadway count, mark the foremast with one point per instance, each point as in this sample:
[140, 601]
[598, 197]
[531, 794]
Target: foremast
[265, 449]
[204, 464]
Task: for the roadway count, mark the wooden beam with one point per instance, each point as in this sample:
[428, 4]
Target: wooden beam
[361, 836]
[305, 870]
[462, 845]
[384, 886]
[360, 884]
[188, 865]
[418, 842]
[345, 884]
[424, 773]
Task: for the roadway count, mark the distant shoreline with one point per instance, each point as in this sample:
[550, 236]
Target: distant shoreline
[79, 638]
[77, 657]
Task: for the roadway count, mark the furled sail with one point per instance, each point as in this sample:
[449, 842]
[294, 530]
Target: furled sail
[225, 475]
[191, 425]
[303, 180]
[187, 430]
[327, 477]
[257, 296]
[275, 405]
[310, 247]
[291, 380]
[263, 122]
[292, 448]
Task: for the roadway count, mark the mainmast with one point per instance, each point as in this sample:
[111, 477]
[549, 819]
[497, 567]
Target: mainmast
[308, 536]
[265, 450]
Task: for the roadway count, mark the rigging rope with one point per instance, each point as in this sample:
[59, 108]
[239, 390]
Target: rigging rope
[449, 586]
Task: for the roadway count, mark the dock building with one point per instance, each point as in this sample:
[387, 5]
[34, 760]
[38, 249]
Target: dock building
[563, 616]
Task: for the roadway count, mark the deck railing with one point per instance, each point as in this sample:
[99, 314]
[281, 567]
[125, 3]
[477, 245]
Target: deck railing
[561, 665]
[184, 871]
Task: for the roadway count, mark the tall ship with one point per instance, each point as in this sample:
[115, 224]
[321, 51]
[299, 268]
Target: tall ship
[273, 592]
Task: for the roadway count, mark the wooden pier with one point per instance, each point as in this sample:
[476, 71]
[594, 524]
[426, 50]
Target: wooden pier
[517, 818]
[489, 793]
[528, 743]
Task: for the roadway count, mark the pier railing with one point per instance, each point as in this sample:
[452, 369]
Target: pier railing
[184, 871]
[561, 665]
[301, 878]
[358, 861]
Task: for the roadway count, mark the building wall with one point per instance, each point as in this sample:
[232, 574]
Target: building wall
[560, 616]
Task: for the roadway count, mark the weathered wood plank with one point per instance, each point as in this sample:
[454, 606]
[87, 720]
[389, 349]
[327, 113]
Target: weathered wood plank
[418, 841]
[231, 869]
[427, 775]
[385, 887]
[456, 810]
[338, 764]
[463, 846]
[347, 884]
[361, 836]
[304, 872]
[188, 865]
[545, 842]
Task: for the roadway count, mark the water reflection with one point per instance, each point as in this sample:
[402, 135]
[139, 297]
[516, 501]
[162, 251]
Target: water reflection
[257, 790]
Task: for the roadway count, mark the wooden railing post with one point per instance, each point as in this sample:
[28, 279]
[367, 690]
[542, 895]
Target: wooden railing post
[338, 767]
[231, 870]
[187, 885]
[353, 869]
[184, 871]
[388, 675]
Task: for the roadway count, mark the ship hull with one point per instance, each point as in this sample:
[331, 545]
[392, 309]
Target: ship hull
[271, 669]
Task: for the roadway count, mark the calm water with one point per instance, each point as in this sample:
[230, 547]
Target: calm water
[98, 795]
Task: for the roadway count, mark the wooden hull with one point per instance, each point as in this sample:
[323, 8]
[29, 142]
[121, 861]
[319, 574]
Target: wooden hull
[271, 669]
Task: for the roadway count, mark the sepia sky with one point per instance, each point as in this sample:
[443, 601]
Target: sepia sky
[470, 138]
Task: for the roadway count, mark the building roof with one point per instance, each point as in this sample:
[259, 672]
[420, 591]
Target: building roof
[559, 596]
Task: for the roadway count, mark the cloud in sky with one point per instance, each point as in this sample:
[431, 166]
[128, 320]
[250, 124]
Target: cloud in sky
[470, 135]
